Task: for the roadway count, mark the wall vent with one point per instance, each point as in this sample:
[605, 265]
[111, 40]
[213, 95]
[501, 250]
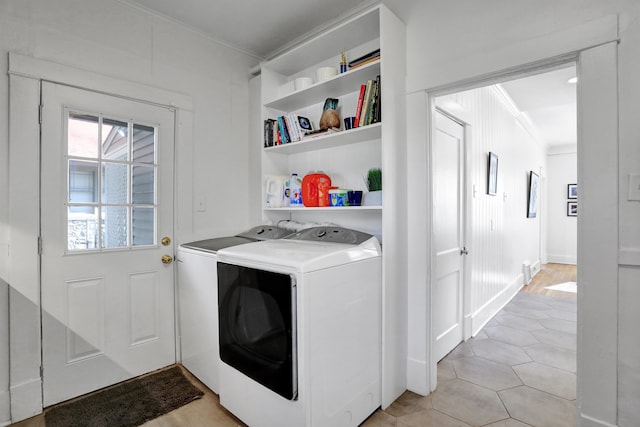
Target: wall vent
[526, 273]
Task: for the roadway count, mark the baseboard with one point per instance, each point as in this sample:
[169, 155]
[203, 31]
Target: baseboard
[587, 421]
[562, 259]
[26, 400]
[418, 376]
[484, 314]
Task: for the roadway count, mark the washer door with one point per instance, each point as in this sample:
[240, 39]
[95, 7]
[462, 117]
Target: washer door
[256, 310]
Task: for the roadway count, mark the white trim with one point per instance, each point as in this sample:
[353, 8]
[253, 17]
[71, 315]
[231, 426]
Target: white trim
[629, 257]
[587, 421]
[484, 314]
[30, 67]
[562, 259]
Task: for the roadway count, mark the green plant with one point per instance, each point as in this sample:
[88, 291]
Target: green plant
[374, 179]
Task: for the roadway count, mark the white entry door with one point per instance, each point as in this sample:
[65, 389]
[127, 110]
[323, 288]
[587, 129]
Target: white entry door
[106, 206]
[448, 234]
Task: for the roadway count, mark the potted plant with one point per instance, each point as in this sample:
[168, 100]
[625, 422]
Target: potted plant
[374, 185]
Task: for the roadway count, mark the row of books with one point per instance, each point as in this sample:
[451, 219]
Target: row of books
[368, 110]
[365, 59]
[285, 129]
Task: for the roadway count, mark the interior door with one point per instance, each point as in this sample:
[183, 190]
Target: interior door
[107, 272]
[448, 234]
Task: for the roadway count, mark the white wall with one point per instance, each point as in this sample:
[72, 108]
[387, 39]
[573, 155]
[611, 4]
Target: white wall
[501, 237]
[451, 43]
[562, 230]
[116, 40]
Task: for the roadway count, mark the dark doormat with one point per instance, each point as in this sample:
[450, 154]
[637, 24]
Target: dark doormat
[128, 404]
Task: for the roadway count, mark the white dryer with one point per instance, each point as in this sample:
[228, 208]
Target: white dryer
[198, 299]
[300, 329]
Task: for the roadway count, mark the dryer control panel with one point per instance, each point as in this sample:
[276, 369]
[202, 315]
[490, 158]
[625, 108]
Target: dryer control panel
[331, 234]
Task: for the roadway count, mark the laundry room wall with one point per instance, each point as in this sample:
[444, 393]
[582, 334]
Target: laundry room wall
[562, 230]
[113, 39]
[501, 237]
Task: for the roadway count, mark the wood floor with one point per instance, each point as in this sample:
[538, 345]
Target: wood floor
[552, 274]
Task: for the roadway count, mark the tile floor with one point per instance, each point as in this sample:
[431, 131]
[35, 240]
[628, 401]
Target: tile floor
[519, 371]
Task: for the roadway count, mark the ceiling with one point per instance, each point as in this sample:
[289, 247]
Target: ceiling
[547, 100]
[255, 27]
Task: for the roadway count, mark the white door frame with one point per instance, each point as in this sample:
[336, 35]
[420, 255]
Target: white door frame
[25, 74]
[520, 72]
[597, 121]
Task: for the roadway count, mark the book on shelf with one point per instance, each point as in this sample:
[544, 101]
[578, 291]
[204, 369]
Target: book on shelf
[378, 101]
[269, 140]
[367, 57]
[363, 88]
[365, 104]
[363, 63]
[285, 129]
[284, 135]
[320, 132]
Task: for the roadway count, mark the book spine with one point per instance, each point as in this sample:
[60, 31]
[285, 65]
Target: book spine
[293, 126]
[365, 104]
[370, 104]
[283, 130]
[277, 136]
[378, 110]
[266, 133]
[359, 107]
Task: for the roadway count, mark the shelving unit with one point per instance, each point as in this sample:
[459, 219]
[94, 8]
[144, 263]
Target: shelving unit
[347, 156]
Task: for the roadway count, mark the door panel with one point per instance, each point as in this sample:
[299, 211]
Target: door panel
[448, 215]
[106, 202]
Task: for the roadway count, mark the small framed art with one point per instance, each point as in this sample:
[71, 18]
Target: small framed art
[532, 205]
[492, 174]
[572, 191]
[572, 208]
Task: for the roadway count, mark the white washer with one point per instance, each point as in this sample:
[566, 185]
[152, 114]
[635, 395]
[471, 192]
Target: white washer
[198, 299]
[334, 343]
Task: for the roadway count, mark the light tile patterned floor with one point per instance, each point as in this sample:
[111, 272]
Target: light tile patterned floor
[519, 371]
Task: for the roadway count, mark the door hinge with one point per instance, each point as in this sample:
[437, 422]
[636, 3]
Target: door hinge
[39, 245]
[41, 371]
[40, 107]
[464, 251]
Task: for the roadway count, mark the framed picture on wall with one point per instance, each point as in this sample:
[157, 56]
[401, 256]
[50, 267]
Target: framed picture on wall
[572, 208]
[532, 200]
[572, 191]
[492, 175]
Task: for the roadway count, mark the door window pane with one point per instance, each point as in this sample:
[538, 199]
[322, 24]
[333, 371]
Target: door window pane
[111, 183]
[82, 135]
[115, 140]
[114, 226]
[83, 181]
[82, 227]
[143, 226]
[143, 188]
[143, 144]
[115, 183]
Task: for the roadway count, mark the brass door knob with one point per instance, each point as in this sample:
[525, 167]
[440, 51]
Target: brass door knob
[167, 259]
[166, 241]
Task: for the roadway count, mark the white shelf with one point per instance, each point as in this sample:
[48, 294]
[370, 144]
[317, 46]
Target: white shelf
[338, 139]
[335, 87]
[327, 208]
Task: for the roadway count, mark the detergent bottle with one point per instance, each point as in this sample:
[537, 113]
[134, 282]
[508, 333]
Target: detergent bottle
[295, 186]
[315, 189]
